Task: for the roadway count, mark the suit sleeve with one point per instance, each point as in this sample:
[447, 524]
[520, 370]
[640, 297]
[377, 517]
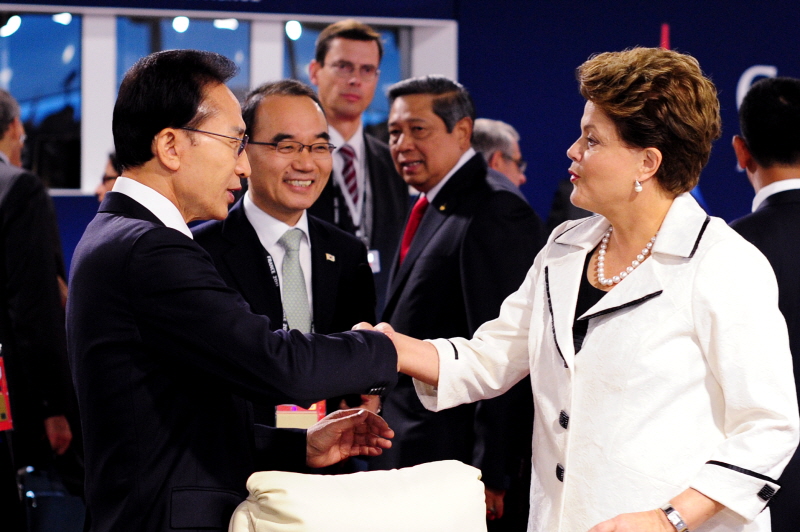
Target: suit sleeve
[36, 319]
[206, 325]
[499, 248]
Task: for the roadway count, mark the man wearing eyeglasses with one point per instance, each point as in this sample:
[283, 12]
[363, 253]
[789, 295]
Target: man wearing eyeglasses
[166, 358]
[290, 159]
[365, 195]
[498, 142]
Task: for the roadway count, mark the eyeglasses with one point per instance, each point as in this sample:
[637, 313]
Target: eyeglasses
[521, 164]
[292, 148]
[106, 178]
[242, 141]
[346, 69]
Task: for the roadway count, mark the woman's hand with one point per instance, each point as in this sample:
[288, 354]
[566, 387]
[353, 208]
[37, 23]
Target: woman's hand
[650, 521]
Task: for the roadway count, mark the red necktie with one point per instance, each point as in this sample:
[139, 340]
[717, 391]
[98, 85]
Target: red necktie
[412, 225]
[349, 172]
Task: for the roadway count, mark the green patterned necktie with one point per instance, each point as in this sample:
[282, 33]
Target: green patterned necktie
[295, 296]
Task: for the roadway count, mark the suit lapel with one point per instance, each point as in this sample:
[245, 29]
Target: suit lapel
[254, 281]
[436, 214]
[324, 275]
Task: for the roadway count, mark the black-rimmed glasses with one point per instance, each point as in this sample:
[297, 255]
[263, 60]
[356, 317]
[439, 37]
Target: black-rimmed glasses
[346, 69]
[242, 141]
[292, 148]
[522, 165]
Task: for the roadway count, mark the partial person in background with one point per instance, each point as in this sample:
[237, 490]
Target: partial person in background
[31, 319]
[562, 209]
[498, 142]
[364, 196]
[469, 240]
[290, 161]
[768, 149]
[110, 175]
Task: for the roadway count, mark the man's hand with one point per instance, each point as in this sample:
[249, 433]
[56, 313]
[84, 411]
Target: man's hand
[58, 433]
[651, 521]
[346, 433]
[494, 503]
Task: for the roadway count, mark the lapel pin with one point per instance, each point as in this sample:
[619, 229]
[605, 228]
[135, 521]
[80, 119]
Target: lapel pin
[330, 257]
[443, 206]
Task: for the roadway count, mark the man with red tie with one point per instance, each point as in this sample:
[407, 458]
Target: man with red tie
[468, 243]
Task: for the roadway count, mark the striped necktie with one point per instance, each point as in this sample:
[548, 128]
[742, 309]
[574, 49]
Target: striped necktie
[349, 171]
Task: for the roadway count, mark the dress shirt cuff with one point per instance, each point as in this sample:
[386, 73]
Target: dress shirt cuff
[743, 492]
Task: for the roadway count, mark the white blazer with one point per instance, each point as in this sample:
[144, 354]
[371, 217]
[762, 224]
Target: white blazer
[684, 378]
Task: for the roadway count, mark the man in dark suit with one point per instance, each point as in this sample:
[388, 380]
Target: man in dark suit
[165, 356]
[475, 239]
[364, 196]
[769, 151]
[282, 118]
[31, 319]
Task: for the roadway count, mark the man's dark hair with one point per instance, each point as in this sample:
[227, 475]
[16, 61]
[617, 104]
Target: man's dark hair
[9, 110]
[770, 121]
[346, 29]
[286, 87]
[451, 100]
[161, 90]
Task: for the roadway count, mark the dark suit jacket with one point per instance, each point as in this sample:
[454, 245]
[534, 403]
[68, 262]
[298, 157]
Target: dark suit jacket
[31, 317]
[31, 325]
[165, 357]
[343, 289]
[389, 208]
[473, 247]
[774, 228]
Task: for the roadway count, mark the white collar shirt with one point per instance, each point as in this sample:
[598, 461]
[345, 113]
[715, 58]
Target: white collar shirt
[153, 201]
[469, 154]
[270, 230]
[773, 188]
[4, 158]
[356, 142]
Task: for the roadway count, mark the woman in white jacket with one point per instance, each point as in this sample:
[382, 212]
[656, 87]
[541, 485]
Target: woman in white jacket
[658, 358]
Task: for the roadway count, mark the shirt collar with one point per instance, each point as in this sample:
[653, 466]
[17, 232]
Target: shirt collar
[4, 158]
[773, 188]
[356, 141]
[268, 228]
[153, 201]
[469, 154]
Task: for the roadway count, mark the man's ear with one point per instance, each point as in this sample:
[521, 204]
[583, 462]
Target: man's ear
[496, 160]
[743, 155]
[463, 131]
[313, 68]
[166, 149]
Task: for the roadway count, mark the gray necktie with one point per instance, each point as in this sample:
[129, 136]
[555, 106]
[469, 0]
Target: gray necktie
[295, 296]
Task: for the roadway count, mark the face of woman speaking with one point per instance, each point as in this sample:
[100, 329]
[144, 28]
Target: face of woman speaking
[603, 169]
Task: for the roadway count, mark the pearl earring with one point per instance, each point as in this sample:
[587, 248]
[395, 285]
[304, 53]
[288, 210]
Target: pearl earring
[637, 186]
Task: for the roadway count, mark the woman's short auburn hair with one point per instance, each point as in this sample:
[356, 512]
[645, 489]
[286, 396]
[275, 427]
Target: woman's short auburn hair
[658, 99]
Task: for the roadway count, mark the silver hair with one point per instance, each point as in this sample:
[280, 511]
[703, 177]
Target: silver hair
[489, 136]
[9, 110]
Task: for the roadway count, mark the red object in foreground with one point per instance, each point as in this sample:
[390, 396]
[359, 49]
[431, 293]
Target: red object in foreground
[5, 406]
[665, 36]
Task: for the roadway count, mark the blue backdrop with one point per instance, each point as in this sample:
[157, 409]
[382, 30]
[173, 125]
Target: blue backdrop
[518, 59]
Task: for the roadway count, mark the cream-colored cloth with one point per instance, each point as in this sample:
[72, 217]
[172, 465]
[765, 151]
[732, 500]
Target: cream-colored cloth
[434, 497]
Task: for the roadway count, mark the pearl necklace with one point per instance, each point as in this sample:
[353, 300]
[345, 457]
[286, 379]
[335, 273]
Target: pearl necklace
[601, 260]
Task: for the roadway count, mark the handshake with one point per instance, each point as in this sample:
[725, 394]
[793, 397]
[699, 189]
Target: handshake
[414, 357]
[346, 433]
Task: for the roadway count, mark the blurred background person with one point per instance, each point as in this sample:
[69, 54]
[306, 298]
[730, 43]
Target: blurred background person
[110, 175]
[498, 142]
[364, 195]
[659, 359]
[31, 320]
[768, 150]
